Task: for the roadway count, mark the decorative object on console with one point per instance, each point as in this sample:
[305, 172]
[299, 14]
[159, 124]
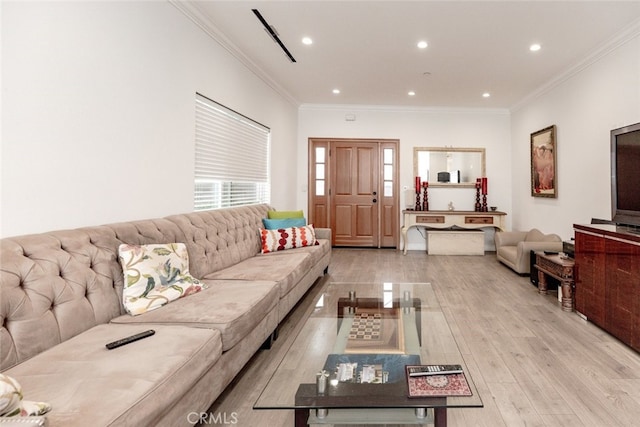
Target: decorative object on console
[543, 163]
[155, 275]
[425, 196]
[418, 184]
[485, 187]
[478, 206]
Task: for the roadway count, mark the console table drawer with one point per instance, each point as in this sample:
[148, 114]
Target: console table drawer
[439, 219]
[478, 220]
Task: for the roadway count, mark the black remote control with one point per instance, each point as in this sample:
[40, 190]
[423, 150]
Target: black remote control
[417, 371]
[130, 339]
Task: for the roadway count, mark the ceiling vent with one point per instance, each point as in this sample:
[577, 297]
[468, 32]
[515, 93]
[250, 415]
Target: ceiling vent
[271, 30]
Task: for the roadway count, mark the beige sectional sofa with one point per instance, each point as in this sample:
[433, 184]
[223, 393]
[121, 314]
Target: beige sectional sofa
[61, 302]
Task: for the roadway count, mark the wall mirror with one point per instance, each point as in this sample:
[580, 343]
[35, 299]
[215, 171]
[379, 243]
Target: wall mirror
[448, 166]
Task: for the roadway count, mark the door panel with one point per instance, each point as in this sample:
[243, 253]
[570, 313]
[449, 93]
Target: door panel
[355, 167]
[342, 226]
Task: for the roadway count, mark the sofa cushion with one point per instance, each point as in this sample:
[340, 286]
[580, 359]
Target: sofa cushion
[274, 224]
[287, 238]
[234, 307]
[87, 384]
[286, 270]
[317, 251]
[155, 275]
[284, 214]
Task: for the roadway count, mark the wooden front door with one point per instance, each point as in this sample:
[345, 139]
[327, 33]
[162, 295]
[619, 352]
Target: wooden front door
[353, 190]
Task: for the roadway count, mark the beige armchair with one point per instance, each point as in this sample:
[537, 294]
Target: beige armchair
[513, 247]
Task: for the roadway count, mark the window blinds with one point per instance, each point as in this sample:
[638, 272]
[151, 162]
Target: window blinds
[231, 158]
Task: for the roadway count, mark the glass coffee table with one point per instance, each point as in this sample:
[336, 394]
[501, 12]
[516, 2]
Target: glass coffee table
[347, 363]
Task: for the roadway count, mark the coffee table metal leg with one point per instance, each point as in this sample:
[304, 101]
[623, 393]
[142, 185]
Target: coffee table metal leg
[301, 417]
[440, 417]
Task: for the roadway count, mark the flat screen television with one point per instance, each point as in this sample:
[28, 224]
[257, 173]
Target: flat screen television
[625, 175]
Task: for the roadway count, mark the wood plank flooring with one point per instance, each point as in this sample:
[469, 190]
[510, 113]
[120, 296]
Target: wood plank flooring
[533, 364]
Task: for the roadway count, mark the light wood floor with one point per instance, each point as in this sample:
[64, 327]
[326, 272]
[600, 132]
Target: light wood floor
[533, 364]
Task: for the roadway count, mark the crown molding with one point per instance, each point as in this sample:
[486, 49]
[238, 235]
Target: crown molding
[195, 14]
[624, 36]
[402, 109]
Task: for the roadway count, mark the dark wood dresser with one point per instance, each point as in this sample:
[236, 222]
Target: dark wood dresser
[607, 279]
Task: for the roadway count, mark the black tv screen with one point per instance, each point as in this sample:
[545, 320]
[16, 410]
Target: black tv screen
[625, 174]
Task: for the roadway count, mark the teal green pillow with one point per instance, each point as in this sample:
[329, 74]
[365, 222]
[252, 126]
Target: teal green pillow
[285, 214]
[276, 224]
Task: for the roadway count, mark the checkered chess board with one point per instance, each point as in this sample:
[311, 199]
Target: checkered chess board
[366, 327]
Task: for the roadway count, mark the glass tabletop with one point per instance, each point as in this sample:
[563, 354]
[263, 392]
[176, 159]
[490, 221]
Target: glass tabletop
[352, 351]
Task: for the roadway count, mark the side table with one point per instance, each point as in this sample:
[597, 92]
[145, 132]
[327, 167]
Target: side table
[559, 268]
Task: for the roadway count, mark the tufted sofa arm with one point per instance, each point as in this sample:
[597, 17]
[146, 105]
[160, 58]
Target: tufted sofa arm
[323, 233]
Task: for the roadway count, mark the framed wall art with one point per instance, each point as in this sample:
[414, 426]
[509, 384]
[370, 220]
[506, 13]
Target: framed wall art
[543, 163]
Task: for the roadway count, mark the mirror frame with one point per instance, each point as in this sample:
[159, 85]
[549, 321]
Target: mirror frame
[481, 151]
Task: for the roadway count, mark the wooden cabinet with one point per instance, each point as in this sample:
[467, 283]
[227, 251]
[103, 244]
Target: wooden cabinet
[590, 276]
[608, 279]
[622, 296]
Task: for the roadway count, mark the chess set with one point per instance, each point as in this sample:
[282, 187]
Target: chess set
[375, 330]
[366, 326]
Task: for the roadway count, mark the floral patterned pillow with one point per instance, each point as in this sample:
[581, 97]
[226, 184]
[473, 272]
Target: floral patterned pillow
[12, 403]
[155, 275]
[287, 238]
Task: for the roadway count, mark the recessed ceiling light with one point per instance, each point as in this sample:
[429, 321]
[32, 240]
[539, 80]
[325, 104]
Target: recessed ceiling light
[336, 91]
[535, 47]
[411, 93]
[307, 40]
[486, 95]
[423, 44]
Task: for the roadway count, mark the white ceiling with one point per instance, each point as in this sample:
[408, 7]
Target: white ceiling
[368, 49]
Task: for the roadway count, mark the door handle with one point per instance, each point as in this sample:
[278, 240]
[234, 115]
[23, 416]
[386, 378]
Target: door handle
[375, 200]
[374, 193]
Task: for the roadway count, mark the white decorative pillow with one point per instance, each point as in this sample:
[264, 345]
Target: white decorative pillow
[13, 405]
[287, 238]
[155, 275]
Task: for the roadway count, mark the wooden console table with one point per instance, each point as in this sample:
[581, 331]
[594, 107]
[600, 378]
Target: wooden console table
[559, 268]
[448, 219]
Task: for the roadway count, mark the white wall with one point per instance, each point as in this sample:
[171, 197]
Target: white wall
[418, 128]
[585, 106]
[98, 112]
